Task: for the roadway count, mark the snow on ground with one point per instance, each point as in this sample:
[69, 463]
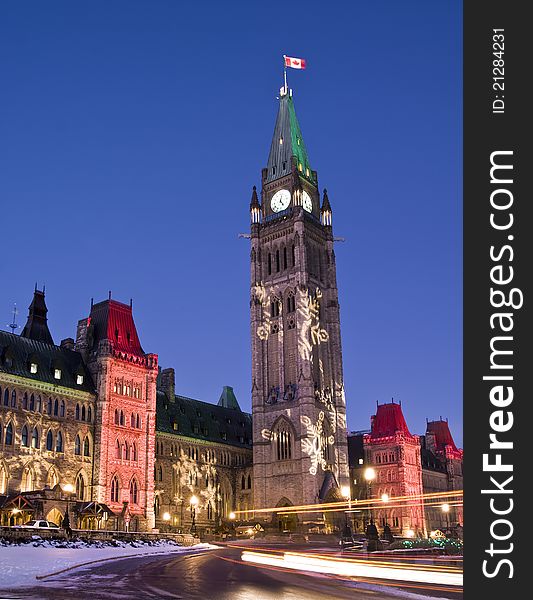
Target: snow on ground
[21, 564]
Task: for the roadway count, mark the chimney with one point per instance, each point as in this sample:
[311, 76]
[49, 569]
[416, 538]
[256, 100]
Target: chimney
[167, 383]
[67, 343]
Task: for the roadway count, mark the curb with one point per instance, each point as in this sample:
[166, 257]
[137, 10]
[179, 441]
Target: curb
[111, 558]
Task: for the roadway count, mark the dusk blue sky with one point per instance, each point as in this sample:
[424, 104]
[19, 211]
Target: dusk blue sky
[131, 134]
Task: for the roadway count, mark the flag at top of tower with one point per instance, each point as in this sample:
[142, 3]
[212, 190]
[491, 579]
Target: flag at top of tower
[295, 63]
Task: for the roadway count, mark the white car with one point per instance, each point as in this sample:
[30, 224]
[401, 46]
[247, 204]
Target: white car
[40, 524]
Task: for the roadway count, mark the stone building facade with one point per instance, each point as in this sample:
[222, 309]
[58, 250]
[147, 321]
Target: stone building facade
[405, 465]
[99, 415]
[298, 405]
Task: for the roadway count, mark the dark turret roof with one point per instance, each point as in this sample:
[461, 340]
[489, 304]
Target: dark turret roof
[17, 353]
[443, 436]
[388, 421]
[287, 141]
[36, 327]
[112, 320]
[205, 421]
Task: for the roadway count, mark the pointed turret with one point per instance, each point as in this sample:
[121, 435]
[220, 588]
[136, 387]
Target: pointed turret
[36, 327]
[287, 142]
[255, 207]
[326, 210]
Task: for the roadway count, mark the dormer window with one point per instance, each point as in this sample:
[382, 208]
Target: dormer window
[57, 373]
[281, 141]
[79, 379]
[33, 367]
[300, 167]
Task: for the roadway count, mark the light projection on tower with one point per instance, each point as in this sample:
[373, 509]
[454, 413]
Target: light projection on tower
[314, 445]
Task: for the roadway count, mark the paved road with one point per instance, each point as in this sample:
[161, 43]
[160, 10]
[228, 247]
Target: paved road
[211, 575]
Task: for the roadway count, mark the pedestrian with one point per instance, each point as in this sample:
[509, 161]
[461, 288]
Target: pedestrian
[387, 533]
[66, 525]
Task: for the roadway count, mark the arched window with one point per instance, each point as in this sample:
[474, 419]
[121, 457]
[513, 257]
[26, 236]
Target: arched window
[80, 487]
[283, 441]
[133, 491]
[32, 402]
[117, 449]
[89, 415]
[59, 442]
[285, 263]
[269, 263]
[25, 401]
[50, 440]
[121, 418]
[38, 404]
[3, 479]
[53, 478]
[115, 491]
[132, 420]
[24, 436]
[160, 473]
[116, 417]
[209, 511]
[77, 412]
[86, 446]
[13, 399]
[6, 397]
[249, 482]
[77, 446]
[83, 413]
[138, 422]
[277, 261]
[156, 506]
[35, 438]
[62, 409]
[126, 451]
[49, 406]
[56, 407]
[243, 483]
[8, 440]
[27, 480]
[134, 452]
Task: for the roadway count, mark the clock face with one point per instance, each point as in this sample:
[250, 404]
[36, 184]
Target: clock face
[280, 200]
[307, 203]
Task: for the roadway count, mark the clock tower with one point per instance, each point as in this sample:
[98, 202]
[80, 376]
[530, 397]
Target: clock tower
[298, 405]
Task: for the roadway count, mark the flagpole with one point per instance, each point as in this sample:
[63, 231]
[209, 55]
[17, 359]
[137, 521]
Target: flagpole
[285, 74]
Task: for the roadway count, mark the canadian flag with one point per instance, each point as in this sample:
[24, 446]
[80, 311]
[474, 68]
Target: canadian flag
[295, 63]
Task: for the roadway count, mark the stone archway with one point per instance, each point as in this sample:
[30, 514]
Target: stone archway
[55, 516]
[286, 523]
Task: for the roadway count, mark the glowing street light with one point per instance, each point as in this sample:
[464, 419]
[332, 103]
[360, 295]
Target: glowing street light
[166, 516]
[232, 516]
[369, 475]
[194, 503]
[68, 487]
[384, 497]
[446, 510]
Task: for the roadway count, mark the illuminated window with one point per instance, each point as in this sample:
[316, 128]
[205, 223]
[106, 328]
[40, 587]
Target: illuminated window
[80, 487]
[35, 438]
[283, 441]
[33, 367]
[360, 461]
[300, 167]
[281, 141]
[86, 446]
[79, 379]
[57, 373]
[59, 442]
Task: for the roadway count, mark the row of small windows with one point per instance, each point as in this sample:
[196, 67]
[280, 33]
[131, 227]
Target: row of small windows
[127, 388]
[281, 260]
[30, 438]
[34, 368]
[84, 413]
[78, 447]
[385, 457]
[193, 452]
[29, 481]
[134, 420]
[34, 403]
[116, 490]
[126, 451]
[246, 484]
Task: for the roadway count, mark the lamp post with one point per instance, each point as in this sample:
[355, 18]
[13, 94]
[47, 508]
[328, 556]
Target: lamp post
[68, 488]
[166, 519]
[194, 503]
[346, 494]
[370, 475]
[232, 516]
[446, 510]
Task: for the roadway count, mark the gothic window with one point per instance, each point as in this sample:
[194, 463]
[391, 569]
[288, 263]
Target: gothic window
[56, 407]
[13, 399]
[269, 263]
[283, 440]
[6, 397]
[160, 473]
[35, 438]
[126, 451]
[62, 409]
[24, 436]
[134, 452]
[133, 491]
[138, 422]
[114, 489]
[77, 446]
[243, 483]
[83, 413]
[285, 258]
[32, 402]
[89, 415]
[59, 442]
[86, 446]
[8, 440]
[28, 481]
[3, 479]
[49, 406]
[293, 255]
[25, 401]
[121, 418]
[80, 487]
[249, 482]
[132, 420]
[209, 511]
[291, 303]
[116, 417]
[50, 440]
[277, 261]
[52, 479]
[77, 412]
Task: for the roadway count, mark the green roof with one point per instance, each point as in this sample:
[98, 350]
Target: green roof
[287, 141]
[220, 423]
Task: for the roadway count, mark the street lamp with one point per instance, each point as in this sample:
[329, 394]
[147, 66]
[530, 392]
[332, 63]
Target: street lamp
[69, 489]
[194, 503]
[346, 493]
[446, 510]
[166, 518]
[370, 475]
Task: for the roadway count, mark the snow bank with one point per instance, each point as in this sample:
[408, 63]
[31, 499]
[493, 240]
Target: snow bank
[21, 564]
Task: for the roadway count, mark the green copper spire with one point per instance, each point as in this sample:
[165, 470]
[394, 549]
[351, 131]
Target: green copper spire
[287, 142]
